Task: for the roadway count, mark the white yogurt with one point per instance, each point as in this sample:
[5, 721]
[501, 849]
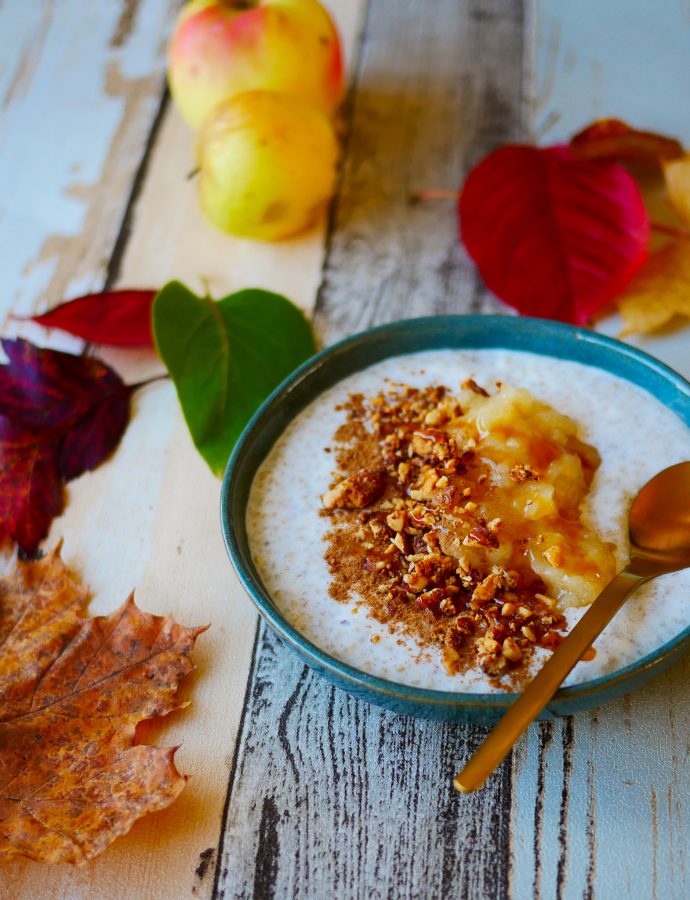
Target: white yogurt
[635, 434]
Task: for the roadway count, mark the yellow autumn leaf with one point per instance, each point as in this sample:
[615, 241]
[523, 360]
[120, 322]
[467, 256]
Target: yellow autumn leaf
[659, 292]
[677, 175]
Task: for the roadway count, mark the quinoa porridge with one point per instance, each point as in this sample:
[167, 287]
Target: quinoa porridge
[362, 509]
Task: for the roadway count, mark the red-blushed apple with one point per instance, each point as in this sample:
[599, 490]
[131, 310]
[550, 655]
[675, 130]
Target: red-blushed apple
[267, 165]
[221, 48]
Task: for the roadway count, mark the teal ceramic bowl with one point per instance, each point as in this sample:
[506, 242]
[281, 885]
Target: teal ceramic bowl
[461, 332]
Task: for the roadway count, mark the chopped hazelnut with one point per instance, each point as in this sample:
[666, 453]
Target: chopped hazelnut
[431, 598]
[436, 416]
[487, 588]
[524, 473]
[415, 581]
[376, 527]
[490, 645]
[465, 624]
[493, 664]
[422, 446]
[425, 489]
[400, 542]
[451, 660]
[552, 639]
[396, 520]
[511, 650]
[447, 607]
[469, 384]
[356, 490]
[480, 536]
[463, 566]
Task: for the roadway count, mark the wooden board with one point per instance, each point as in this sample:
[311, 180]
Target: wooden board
[297, 789]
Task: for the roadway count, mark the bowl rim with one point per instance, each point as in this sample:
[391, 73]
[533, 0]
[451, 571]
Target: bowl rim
[357, 678]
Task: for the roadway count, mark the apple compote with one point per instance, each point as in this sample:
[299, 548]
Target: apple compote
[456, 516]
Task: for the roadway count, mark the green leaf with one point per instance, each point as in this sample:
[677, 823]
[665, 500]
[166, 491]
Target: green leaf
[226, 357]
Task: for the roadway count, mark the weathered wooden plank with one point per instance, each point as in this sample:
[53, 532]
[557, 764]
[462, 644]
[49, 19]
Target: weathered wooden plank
[331, 795]
[79, 88]
[149, 518]
[600, 801]
[437, 90]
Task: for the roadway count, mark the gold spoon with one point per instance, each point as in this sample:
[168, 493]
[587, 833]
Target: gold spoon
[659, 525]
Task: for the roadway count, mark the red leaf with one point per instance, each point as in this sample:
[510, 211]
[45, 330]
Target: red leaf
[552, 236]
[113, 318]
[613, 139]
[60, 415]
[31, 492]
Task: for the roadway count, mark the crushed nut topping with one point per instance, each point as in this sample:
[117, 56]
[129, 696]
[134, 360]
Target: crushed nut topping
[456, 519]
[356, 490]
[523, 473]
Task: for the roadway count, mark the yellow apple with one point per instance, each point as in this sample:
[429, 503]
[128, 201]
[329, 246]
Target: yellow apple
[267, 165]
[221, 48]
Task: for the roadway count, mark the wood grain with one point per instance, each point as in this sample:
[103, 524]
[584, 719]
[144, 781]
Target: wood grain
[149, 517]
[430, 101]
[330, 794]
[79, 93]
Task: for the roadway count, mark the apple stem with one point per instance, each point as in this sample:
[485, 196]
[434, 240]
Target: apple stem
[194, 172]
[434, 194]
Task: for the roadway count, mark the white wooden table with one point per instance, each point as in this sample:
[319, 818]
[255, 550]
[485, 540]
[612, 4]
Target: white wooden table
[297, 789]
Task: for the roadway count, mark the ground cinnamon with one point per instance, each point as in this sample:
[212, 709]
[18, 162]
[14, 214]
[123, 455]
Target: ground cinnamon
[413, 553]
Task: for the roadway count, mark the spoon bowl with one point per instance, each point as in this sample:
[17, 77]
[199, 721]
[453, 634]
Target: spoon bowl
[659, 520]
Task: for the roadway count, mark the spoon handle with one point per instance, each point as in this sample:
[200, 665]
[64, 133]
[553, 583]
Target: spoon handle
[493, 750]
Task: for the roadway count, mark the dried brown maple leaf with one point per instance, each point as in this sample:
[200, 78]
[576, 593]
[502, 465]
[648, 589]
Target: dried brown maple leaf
[677, 176]
[660, 292]
[72, 690]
